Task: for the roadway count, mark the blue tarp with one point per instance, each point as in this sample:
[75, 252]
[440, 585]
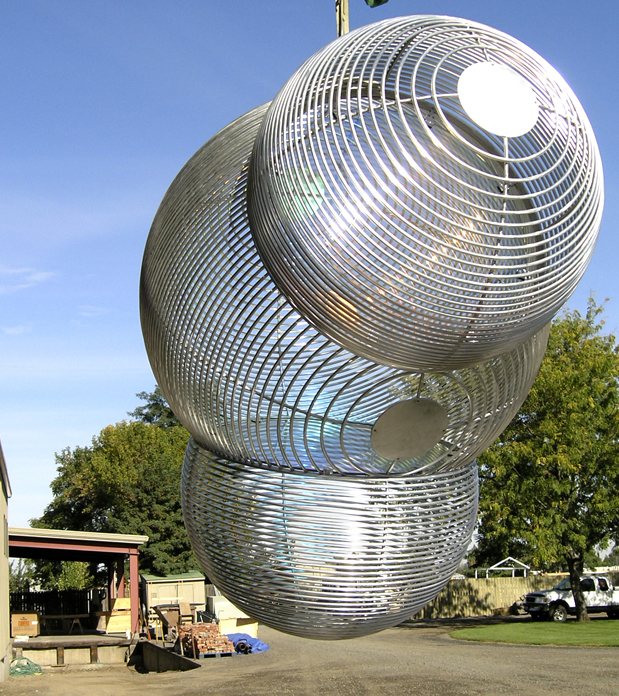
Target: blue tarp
[256, 644]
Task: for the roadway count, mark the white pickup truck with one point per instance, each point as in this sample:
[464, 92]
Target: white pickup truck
[557, 603]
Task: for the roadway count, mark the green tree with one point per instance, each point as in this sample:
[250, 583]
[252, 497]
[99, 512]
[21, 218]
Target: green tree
[21, 575]
[127, 482]
[156, 411]
[550, 485]
[64, 575]
[592, 559]
[613, 557]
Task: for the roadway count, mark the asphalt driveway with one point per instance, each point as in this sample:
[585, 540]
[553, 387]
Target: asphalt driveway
[417, 658]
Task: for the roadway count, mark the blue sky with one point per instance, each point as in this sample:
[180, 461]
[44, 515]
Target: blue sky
[102, 102]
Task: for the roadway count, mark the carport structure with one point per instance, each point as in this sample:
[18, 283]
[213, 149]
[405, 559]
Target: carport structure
[68, 545]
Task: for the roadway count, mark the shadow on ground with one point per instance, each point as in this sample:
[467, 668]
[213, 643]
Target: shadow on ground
[471, 621]
[464, 622]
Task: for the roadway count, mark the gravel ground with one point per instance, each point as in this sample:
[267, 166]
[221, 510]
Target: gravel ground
[417, 658]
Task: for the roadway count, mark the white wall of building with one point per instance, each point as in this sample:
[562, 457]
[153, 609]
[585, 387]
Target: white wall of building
[6, 647]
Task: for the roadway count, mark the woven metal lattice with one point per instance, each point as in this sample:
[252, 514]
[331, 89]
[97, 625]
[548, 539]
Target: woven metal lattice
[397, 224]
[326, 558]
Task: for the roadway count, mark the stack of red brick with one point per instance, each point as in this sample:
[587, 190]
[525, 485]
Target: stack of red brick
[200, 639]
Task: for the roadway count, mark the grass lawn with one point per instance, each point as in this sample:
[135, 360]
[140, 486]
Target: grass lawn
[598, 632]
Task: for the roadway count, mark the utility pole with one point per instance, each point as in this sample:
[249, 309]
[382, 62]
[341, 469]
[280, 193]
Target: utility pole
[341, 17]
[341, 14]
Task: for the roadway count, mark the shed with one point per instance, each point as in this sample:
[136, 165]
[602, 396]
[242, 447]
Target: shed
[173, 589]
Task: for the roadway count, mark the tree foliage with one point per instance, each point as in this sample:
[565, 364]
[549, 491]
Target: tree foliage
[21, 575]
[127, 482]
[65, 575]
[550, 485]
[156, 411]
[613, 557]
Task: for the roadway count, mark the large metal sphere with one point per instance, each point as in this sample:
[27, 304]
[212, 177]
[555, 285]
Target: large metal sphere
[323, 557]
[426, 191]
[253, 381]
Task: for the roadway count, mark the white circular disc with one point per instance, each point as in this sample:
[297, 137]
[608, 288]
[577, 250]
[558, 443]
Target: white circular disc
[409, 428]
[498, 99]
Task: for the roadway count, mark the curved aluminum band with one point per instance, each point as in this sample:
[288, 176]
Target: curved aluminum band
[251, 379]
[323, 557]
[398, 226]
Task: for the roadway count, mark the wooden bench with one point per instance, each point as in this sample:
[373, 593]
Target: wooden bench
[74, 620]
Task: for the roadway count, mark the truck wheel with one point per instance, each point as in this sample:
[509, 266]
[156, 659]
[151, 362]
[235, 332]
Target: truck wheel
[558, 613]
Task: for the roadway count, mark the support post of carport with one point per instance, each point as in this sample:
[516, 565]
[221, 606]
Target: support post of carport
[120, 576]
[111, 583]
[134, 590]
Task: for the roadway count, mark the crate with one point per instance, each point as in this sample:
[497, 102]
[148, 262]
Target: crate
[224, 609]
[118, 623]
[118, 620]
[248, 626]
[25, 624]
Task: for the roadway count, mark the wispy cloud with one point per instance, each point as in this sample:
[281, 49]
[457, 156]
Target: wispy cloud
[16, 330]
[92, 311]
[16, 279]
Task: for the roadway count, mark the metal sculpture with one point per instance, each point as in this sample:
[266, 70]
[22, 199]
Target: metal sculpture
[345, 297]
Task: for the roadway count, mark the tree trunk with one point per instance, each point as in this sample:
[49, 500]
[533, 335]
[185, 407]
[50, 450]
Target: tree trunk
[575, 564]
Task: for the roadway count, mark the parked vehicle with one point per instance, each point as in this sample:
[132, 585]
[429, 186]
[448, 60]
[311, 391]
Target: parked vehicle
[558, 603]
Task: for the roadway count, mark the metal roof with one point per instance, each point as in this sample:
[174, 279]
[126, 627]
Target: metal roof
[71, 535]
[189, 575]
[70, 545]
